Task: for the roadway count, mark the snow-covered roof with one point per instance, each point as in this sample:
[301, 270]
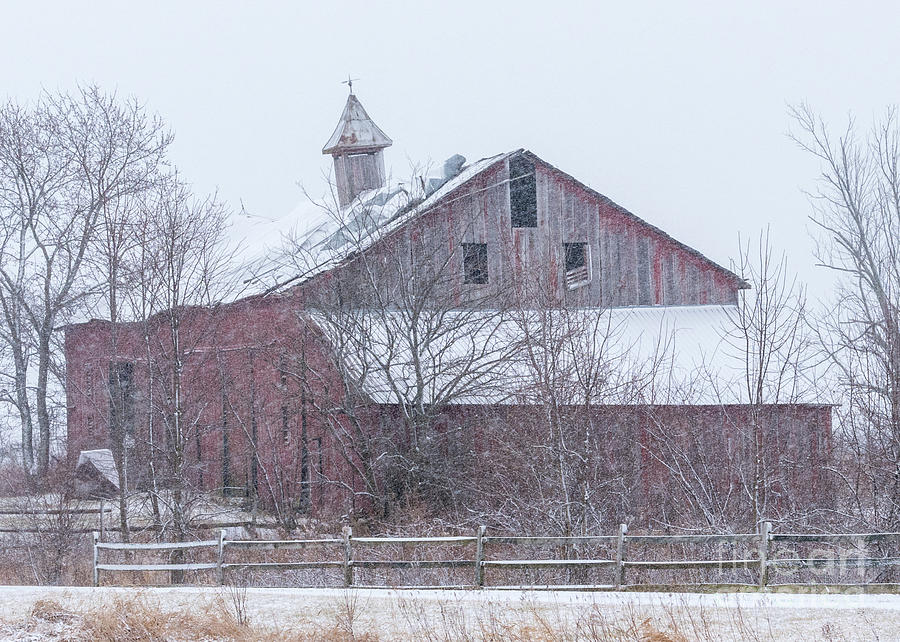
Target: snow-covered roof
[356, 132]
[318, 235]
[102, 460]
[675, 355]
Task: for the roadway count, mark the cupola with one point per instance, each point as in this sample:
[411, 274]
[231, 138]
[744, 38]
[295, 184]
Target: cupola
[356, 147]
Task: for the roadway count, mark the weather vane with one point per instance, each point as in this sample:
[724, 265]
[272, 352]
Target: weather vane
[349, 82]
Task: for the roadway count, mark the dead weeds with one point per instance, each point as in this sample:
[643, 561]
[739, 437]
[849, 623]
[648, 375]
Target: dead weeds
[350, 618]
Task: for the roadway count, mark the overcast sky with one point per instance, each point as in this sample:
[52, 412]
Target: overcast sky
[678, 111]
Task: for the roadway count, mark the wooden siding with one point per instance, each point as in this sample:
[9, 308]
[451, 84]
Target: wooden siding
[235, 399]
[631, 262]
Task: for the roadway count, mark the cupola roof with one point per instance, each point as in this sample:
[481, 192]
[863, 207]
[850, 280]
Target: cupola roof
[356, 132]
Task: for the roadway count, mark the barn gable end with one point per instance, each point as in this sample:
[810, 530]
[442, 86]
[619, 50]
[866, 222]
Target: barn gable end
[515, 218]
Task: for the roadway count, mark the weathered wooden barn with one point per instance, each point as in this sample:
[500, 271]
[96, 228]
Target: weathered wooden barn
[496, 261]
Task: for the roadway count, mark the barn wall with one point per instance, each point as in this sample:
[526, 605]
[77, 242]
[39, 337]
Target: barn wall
[241, 385]
[631, 262]
[624, 446]
[234, 387]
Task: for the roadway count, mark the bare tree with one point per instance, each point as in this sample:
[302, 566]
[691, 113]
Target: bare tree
[768, 335]
[406, 339]
[736, 471]
[142, 141]
[857, 212]
[574, 364]
[185, 267]
[63, 162]
[34, 175]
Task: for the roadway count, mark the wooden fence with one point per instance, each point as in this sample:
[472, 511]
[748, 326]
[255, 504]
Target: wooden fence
[630, 553]
[49, 514]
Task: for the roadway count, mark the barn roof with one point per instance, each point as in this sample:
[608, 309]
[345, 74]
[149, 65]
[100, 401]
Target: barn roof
[102, 461]
[676, 355]
[318, 235]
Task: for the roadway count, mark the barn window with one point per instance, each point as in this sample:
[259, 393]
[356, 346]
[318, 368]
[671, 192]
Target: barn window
[475, 263]
[121, 400]
[578, 264]
[522, 192]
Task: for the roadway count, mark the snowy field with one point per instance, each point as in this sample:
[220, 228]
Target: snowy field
[38, 613]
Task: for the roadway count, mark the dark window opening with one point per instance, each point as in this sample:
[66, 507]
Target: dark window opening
[576, 256]
[121, 401]
[522, 193]
[577, 264]
[475, 263]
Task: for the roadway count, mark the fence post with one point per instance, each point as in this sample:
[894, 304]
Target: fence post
[96, 537]
[220, 560]
[620, 556]
[764, 529]
[348, 557]
[479, 556]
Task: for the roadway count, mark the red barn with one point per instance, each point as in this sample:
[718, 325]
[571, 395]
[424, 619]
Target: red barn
[497, 253]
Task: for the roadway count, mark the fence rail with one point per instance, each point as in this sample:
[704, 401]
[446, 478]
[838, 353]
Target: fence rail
[345, 553]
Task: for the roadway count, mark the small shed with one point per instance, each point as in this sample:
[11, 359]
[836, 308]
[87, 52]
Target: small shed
[96, 475]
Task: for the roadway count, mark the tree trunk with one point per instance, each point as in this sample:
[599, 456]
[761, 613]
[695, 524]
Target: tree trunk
[24, 410]
[43, 416]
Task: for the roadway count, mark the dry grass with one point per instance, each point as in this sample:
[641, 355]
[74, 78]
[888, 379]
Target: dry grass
[349, 618]
[531, 621]
[135, 619]
[677, 621]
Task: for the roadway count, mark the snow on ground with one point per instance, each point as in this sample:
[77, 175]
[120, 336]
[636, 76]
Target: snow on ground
[419, 614]
[206, 509]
